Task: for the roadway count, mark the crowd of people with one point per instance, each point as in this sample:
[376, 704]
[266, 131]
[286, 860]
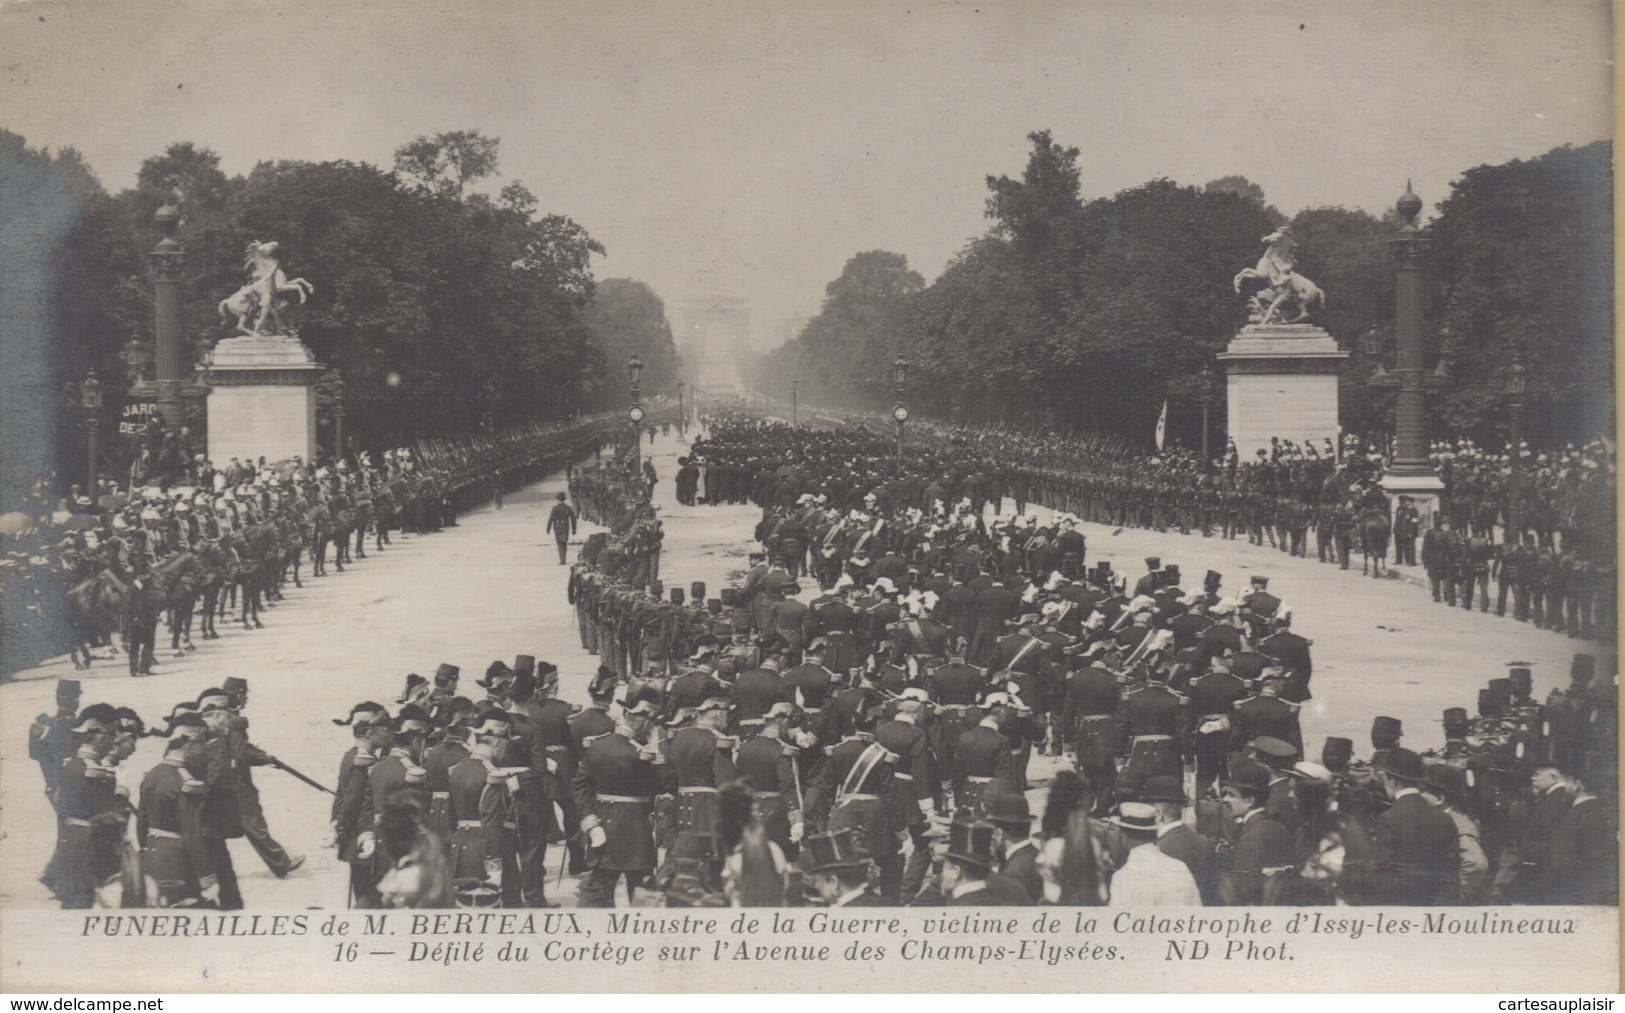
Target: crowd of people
[872, 744]
[112, 567]
[1552, 544]
[889, 723]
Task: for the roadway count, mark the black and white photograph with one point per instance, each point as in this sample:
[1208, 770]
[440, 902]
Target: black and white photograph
[477, 477]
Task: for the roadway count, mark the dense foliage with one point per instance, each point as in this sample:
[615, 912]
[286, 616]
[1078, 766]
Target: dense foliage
[1084, 315]
[450, 311]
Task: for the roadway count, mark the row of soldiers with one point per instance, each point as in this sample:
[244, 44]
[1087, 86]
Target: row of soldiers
[156, 839]
[121, 565]
[1555, 589]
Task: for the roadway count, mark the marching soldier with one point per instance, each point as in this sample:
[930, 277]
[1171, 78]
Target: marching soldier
[615, 787]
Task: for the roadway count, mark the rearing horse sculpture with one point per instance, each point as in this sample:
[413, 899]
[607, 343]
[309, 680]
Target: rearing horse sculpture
[266, 281]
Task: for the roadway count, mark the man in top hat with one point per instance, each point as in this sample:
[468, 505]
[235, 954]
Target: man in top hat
[1148, 584]
[561, 523]
[1017, 881]
[1417, 841]
[1446, 787]
[1148, 877]
[839, 871]
[968, 864]
[615, 787]
[1262, 848]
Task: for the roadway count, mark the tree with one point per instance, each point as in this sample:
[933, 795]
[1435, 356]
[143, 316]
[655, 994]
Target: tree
[446, 163]
[842, 354]
[1522, 263]
[627, 318]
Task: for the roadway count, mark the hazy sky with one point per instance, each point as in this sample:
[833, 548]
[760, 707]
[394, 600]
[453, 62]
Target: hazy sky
[750, 148]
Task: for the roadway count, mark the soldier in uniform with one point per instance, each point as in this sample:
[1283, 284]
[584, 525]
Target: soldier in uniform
[1266, 714]
[1212, 708]
[170, 826]
[856, 783]
[770, 766]
[87, 807]
[1089, 713]
[699, 762]
[1154, 720]
[615, 787]
[1437, 560]
[1407, 526]
[919, 791]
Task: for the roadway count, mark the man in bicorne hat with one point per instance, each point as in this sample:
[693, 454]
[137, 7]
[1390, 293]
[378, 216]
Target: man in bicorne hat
[615, 788]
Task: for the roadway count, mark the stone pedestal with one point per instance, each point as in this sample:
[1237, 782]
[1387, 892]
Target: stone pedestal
[1281, 382]
[1424, 488]
[263, 402]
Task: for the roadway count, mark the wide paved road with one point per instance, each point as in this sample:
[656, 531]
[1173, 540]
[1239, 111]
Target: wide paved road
[492, 588]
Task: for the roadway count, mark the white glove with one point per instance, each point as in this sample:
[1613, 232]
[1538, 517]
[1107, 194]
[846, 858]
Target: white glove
[596, 838]
[798, 830]
[211, 889]
[552, 766]
[925, 808]
[365, 846]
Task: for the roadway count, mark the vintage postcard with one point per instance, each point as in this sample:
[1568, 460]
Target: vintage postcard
[579, 497]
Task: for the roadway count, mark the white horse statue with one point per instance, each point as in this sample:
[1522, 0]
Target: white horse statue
[258, 298]
[1282, 283]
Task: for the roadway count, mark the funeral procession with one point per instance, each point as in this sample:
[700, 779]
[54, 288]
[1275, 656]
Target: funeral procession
[367, 545]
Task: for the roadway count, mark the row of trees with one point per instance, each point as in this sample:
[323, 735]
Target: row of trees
[1084, 315]
[449, 308]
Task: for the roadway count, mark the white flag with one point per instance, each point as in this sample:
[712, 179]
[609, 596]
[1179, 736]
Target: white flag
[1162, 424]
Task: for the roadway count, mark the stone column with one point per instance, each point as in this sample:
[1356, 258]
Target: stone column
[1410, 473]
[173, 368]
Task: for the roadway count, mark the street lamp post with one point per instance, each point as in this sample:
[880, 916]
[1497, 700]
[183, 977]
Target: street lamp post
[682, 410]
[338, 415]
[899, 375]
[795, 414]
[1516, 380]
[90, 398]
[634, 369]
[1207, 398]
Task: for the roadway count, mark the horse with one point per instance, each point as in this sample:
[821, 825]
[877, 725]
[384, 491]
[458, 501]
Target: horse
[319, 524]
[93, 612]
[258, 298]
[178, 580]
[215, 565]
[1374, 532]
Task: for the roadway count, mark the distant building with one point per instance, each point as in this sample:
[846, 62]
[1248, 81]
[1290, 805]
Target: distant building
[715, 338]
